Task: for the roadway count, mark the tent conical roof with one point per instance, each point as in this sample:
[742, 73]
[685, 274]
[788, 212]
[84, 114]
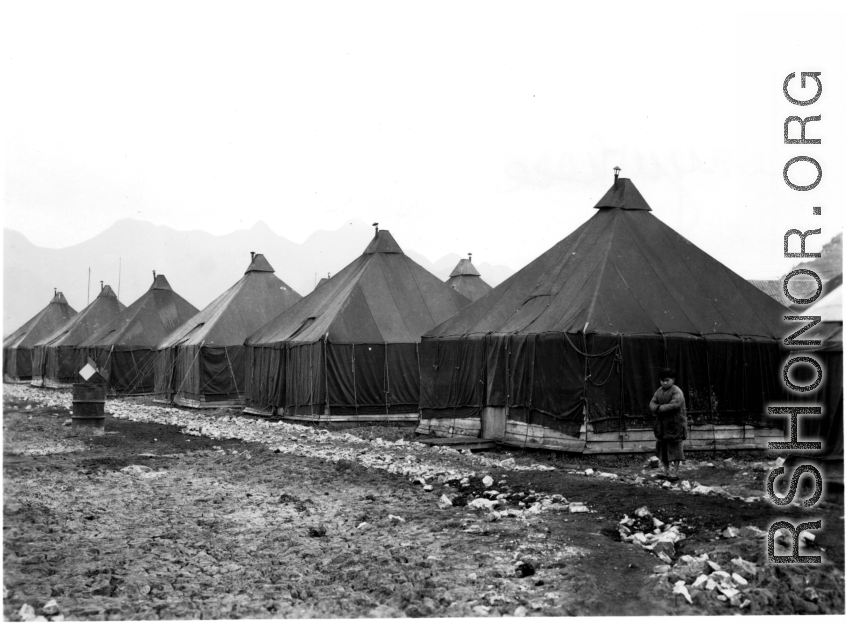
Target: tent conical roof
[623, 194]
[381, 297]
[146, 321]
[464, 268]
[466, 280]
[622, 272]
[259, 263]
[44, 323]
[239, 311]
[99, 313]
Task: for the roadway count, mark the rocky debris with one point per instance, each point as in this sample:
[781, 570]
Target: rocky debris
[520, 612]
[482, 504]
[644, 530]
[525, 568]
[680, 589]
[589, 471]
[577, 507]
[608, 476]
[730, 532]
[50, 608]
[653, 462]
[745, 567]
[396, 519]
[445, 502]
[488, 481]
[810, 594]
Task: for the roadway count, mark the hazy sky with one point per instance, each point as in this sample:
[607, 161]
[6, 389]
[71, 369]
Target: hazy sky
[460, 126]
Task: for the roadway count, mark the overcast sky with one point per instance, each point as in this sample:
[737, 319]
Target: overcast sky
[459, 126]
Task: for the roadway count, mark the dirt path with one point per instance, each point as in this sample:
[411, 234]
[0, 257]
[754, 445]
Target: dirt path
[151, 522]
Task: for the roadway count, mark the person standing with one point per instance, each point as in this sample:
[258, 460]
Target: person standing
[671, 424]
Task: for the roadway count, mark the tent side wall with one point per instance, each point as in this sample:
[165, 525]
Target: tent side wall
[264, 384]
[128, 371]
[201, 376]
[59, 367]
[17, 364]
[572, 387]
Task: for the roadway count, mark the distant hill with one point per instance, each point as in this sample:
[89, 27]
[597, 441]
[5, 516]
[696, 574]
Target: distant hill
[198, 265]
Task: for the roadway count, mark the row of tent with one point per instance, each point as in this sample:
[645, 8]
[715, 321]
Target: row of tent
[196, 358]
[569, 345]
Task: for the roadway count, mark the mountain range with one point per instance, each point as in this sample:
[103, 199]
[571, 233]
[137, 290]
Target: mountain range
[198, 265]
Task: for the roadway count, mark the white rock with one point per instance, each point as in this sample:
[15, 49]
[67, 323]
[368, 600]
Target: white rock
[428, 487]
[398, 519]
[806, 537]
[577, 507]
[608, 476]
[642, 512]
[363, 525]
[700, 581]
[739, 580]
[680, 589]
[487, 481]
[51, 607]
[657, 523]
[27, 612]
[589, 471]
[136, 469]
[730, 532]
[520, 611]
[481, 503]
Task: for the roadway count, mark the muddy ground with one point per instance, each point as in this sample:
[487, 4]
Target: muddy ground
[153, 521]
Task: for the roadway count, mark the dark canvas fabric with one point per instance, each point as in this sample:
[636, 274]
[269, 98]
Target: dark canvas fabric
[582, 331]
[352, 342]
[208, 348]
[18, 346]
[54, 358]
[124, 349]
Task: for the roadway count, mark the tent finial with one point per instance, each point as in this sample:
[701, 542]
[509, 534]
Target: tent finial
[252, 256]
[617, 172]
[55, 290]
[154, 274]
[101, 285]
[376, 225]
[469, 256]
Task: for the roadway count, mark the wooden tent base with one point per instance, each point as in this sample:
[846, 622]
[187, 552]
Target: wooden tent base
[361, 418]
[520, 434]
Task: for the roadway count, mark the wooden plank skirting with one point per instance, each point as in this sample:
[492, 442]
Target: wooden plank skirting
[185, 402]
[404, 417]
[520, 434]
[447, 428]
[259, 412]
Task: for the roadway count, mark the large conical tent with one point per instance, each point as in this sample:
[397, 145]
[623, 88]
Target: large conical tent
[125, 349]
[348, 350]
[54, 362]
[566, 353]
[201, 363]
[467, 280]
[18, 346]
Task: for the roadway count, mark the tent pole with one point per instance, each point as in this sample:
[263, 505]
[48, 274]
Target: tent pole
[326, 375]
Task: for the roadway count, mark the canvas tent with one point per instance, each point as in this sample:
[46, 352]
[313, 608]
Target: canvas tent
[201, 363]
[829, 427]
[349, 349]
[124, 350]
[18, 346]
[467, 280]
[566, 353]
[54, 359]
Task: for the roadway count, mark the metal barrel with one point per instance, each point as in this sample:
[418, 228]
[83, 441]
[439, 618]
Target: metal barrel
[89, 403]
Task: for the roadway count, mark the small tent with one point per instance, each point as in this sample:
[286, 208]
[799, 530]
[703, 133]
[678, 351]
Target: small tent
[467, 280]
[349, 349]
[566, 353]
[18, 346]
[124, 350]
[201, 363]
[54, 358]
